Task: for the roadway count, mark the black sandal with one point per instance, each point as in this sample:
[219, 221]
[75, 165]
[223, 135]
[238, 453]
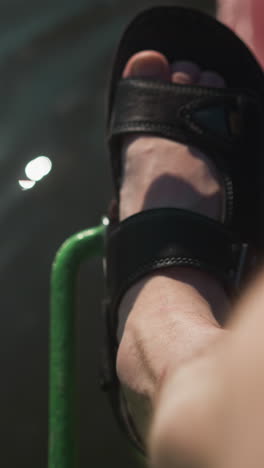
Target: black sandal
[225, 124]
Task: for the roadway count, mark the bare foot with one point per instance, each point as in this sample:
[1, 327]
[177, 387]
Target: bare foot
[182, 177]
[167, 317]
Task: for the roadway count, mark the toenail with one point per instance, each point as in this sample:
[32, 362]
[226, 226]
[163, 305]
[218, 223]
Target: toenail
[182, 78]
[211, 78]
[188, 68]
[147, 63]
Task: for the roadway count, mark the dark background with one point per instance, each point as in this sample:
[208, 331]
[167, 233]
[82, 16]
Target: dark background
[55, 58]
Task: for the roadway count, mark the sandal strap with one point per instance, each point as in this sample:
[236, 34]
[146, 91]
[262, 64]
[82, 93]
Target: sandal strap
[149, 241]
[222, 123]
[211, 119]
[167, 237]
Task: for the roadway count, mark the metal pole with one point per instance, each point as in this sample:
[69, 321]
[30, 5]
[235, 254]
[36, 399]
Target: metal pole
[77, 248]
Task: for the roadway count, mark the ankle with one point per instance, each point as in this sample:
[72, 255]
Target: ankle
[165, 330]
[176, 290]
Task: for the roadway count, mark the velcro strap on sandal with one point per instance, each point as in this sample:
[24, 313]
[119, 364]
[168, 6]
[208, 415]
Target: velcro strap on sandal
[167, 237]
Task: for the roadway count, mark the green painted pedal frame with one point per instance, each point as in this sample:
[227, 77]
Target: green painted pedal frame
[79, 247]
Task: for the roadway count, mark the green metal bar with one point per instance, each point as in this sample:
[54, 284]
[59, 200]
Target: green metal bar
[77, 248]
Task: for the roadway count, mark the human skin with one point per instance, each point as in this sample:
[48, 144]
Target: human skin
[218, 422]
[210, 413]
[245, 17]
[169, 316]
[193, 387]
